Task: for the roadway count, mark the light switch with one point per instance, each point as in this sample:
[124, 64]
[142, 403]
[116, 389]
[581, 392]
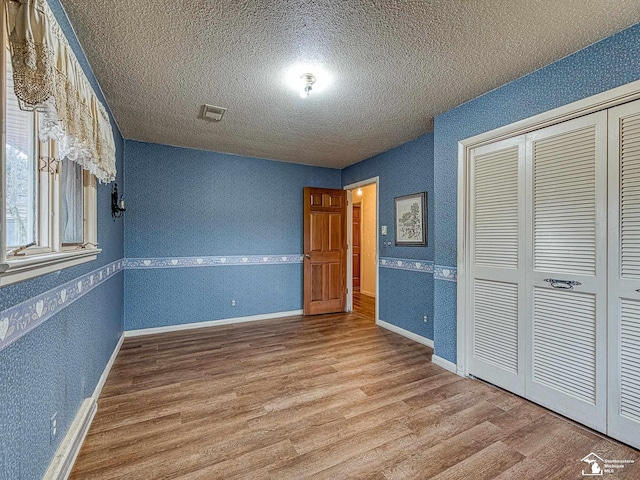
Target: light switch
[384, 229]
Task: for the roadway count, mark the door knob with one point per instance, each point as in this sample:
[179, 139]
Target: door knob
[307, 255]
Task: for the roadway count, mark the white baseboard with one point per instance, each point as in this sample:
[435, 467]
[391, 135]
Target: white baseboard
[62, 463]
[107, 369]
[446, 364]
[210, 323]
[65, 457]
[405, 333]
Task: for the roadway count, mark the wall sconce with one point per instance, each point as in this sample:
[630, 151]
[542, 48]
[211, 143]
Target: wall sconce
[117, 204]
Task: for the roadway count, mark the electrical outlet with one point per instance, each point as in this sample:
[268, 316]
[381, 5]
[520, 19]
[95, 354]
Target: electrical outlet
[425, 318]
[233, 303]
[53, 428]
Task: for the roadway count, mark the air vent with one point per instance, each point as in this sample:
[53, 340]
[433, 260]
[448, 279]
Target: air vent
[211, 113]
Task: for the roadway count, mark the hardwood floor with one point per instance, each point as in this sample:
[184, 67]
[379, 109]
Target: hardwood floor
[364, 304]
[330, 396]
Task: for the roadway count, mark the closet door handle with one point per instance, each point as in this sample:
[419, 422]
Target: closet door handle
[307, 255]
[562, 284]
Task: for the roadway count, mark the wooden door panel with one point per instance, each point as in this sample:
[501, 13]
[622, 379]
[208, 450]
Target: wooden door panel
[355, 243]
[316, 199]
[325, 246]
[336, 232]
[356, 269]
[356, 235]
[317, 279]
[334, 283]
[335, 200]
[316, 235]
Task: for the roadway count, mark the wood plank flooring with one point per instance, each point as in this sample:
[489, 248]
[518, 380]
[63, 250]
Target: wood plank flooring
[330, 397]
[364, 304]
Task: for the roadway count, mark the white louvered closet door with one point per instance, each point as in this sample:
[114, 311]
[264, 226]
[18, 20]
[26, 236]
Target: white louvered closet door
[497, 271]
[624, 273]
[567, 261]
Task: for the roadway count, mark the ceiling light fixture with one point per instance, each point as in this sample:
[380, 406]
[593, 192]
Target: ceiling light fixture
[295, 78]
[307, 80]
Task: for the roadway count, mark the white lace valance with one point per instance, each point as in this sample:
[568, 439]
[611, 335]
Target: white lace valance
[48, 78]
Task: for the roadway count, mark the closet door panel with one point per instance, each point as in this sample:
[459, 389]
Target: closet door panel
[497, 206]
[495, 340]
[564, 342]
[624, 273]
[566, 279]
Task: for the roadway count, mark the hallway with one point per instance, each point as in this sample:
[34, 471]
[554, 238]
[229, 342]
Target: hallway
[364, 304]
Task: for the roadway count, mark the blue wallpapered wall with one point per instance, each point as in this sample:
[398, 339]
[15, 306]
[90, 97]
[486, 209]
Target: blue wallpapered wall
[185, 202]
[405, 296]
[605, 65]
[175, 296]
[56, 366]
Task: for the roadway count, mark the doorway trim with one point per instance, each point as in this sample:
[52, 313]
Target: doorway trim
[349, 188]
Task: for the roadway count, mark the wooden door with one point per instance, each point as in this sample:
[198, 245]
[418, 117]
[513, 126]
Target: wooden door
[355, 241]
[325, 250]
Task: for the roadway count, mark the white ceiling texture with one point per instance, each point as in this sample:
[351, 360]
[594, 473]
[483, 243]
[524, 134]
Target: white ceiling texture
[384, 68]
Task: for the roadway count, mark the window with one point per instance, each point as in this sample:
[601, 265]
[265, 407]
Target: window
[21, 184]
[49, 205]
[57, 140]
[72, 204]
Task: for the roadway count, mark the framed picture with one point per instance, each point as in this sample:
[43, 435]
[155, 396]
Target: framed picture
[411, 220]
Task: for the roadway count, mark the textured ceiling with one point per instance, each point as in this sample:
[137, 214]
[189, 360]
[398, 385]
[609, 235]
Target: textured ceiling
[389, 66]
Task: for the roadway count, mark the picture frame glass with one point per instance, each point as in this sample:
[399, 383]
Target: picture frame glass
[411, 219]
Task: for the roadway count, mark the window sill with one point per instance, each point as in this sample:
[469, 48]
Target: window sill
[18, 269]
